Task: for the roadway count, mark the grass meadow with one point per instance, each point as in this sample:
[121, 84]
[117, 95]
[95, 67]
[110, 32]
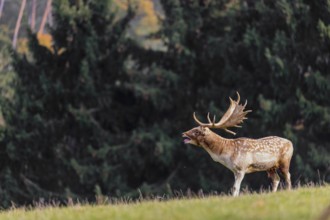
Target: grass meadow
[301, 203]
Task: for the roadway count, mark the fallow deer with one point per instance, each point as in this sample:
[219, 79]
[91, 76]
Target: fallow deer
[242, 155]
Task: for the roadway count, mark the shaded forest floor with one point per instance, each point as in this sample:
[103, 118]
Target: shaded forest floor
[302, 203]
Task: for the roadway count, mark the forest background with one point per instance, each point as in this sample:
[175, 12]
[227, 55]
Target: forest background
[94, 104]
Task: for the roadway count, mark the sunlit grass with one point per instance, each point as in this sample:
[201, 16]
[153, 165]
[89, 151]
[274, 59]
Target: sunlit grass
[303, 203]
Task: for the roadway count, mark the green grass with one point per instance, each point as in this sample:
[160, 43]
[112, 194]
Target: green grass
[303, 203]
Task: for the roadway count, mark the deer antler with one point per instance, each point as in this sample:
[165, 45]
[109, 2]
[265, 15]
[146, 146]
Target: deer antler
[233, 116]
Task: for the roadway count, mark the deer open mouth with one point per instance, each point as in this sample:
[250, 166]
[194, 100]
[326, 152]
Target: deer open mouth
[186, 139]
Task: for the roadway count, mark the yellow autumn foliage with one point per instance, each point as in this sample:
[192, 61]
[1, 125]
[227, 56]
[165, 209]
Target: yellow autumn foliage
[22, 45]
[45, 40]
[148, 21]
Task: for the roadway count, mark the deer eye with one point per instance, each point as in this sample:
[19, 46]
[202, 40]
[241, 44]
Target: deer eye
[196, 133]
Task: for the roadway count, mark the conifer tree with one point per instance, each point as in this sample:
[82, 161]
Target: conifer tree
[68, 117]
[274, 53]
[97, 114]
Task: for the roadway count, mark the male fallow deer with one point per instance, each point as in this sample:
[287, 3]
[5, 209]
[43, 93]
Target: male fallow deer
[242, 155]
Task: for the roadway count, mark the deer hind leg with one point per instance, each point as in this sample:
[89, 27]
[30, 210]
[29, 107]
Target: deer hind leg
[238, 180]
[285, 165]
[284, 168]
[287, 176]
[275, 178]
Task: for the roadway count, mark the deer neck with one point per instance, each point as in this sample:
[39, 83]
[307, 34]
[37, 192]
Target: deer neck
[215, 144]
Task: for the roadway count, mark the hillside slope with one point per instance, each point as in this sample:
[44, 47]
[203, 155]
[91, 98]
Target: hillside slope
[303, 203]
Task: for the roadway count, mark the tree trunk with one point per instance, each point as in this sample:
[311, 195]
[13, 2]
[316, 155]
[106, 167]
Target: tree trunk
[33, 15]
[44, 17]
[2, 3]
[18, 23]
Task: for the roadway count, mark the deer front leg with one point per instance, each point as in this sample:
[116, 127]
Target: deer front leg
[237, 185]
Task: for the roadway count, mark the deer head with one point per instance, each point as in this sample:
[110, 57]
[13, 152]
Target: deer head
[232, 118]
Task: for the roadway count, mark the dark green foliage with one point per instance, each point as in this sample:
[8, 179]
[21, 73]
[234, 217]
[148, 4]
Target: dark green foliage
[287, 58]
[70, 123]
[274, 53]
[100, 115]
